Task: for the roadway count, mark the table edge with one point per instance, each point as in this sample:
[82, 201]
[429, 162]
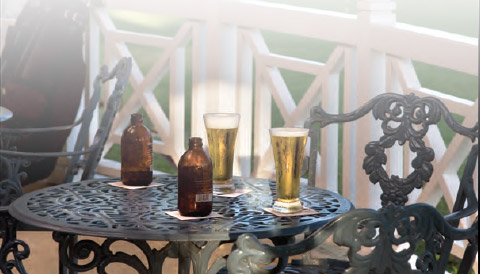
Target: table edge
[35, 221]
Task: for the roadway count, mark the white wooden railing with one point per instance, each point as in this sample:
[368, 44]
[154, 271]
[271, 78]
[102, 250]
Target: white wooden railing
[227, 43]
[233, 70]
[374, 52]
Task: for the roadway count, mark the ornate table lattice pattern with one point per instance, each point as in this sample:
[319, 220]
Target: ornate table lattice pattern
[96, 208]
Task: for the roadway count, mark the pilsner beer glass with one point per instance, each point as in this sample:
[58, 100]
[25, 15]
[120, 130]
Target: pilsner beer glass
[221, 133]
[288, 146]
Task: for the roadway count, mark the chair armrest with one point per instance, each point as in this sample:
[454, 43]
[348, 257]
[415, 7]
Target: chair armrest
[45, 154]
[371, 237]
[38, 129]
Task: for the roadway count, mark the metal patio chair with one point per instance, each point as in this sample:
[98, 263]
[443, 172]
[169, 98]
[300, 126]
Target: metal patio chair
[372, 236]
[81, 159]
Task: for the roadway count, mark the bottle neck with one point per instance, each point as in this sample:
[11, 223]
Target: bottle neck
[195, 142]
[136, 119]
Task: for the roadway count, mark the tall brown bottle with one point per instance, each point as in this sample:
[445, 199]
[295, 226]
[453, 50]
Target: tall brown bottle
[136, 147]
[195, 181]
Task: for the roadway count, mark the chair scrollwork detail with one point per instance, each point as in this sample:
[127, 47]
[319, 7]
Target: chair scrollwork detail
[403, 118]
[10, 187]
[370, 236]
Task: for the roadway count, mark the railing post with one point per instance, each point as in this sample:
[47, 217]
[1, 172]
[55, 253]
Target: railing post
[214, 87]
[370, 81]
[244, 107]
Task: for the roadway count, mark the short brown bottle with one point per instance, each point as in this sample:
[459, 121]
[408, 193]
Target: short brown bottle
[136, 149]
[195, 181]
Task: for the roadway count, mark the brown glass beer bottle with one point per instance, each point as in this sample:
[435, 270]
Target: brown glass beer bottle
[136, 149]
[195, 181]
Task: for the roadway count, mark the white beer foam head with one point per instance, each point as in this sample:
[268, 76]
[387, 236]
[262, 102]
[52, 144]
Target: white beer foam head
[289, 131]
[221, 120]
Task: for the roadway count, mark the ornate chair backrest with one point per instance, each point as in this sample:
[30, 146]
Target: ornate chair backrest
[121, 72]
[406, 118]
[403, 118]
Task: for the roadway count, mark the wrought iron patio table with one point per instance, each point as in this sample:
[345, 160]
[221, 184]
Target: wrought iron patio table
[95, 208]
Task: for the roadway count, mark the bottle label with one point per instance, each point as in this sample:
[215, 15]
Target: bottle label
[203, 198]
[150, 155]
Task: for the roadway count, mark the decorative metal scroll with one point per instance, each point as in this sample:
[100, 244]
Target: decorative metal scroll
[11, 176]
[10, 245]
[404, 118]
[370, 237]
[71, 251]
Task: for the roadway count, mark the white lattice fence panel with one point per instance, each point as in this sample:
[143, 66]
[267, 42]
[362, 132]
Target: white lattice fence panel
[172, 59]
[269, 84]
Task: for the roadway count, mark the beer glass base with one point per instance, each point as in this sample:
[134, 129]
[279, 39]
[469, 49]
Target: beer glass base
[283, 207]
[225, 187]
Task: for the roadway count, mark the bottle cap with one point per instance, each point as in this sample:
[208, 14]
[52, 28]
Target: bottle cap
[136, 117]
[195, 141]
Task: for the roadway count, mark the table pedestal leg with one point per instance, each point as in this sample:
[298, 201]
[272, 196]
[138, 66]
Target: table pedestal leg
[183, 265]
[282, 261]
[200, 253]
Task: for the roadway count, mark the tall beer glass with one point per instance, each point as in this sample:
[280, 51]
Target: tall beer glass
[288, 146]
[221, 132]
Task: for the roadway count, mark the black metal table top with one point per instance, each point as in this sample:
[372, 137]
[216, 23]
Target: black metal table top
[95, 208]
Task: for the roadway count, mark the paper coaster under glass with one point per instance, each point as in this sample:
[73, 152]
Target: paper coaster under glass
[304, 212]
[238, 192]
[120, 184]
[176, 214]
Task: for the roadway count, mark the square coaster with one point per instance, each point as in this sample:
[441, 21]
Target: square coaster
[305, 211]
[237, 193]
[177, 215]
[120, 184]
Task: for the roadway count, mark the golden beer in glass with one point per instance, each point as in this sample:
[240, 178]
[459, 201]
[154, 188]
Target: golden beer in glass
[288, 146]
[221, 133]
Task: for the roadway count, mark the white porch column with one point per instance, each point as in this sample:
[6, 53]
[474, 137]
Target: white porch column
[215, 63]
[371, 81]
